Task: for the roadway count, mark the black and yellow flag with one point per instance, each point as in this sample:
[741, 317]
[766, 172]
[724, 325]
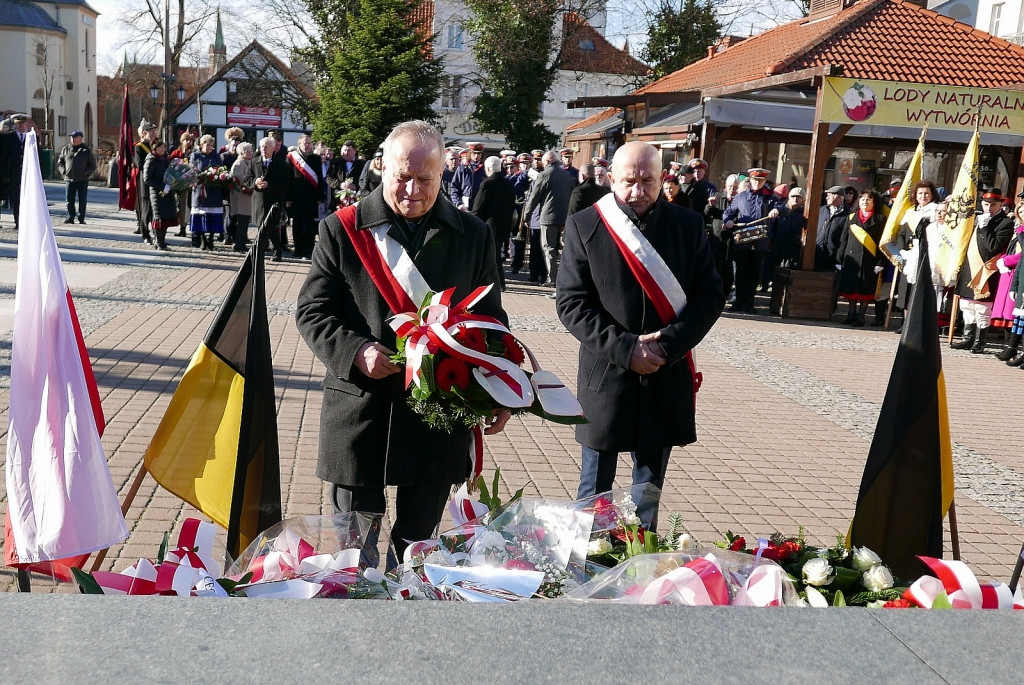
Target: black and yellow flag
[216, 446]
[907, 486]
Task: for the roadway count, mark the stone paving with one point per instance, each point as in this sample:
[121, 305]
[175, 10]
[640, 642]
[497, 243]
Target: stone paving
[785, 414]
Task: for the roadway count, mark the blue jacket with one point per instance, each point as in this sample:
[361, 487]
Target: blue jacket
[465, 183]
[748, 206]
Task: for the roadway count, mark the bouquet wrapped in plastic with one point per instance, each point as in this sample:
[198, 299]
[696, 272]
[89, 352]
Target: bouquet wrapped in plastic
[700, 577]
[180, 175]
[460, 367]
[216, 177]
[311, 556]
[528, 547]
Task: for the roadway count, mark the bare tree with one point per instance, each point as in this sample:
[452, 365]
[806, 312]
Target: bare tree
[48, 69]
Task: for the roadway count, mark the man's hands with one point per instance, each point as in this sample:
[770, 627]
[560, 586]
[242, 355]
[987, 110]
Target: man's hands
[496, 423]
[373, 360]
[648, 355]
[774, 214]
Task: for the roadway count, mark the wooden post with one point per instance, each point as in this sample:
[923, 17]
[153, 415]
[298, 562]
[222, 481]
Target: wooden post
[125, 506]
[952, 317]
[892, 297]
[954, 532]
[1017, 569]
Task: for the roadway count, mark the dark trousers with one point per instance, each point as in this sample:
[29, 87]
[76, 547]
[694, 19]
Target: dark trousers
[500, 250]
[79, 189]
[720, 253]
[240, 231]
[14, 200]
[418, 510]
[304, 234]
[538, 267]
[748, 270]
[598, 474]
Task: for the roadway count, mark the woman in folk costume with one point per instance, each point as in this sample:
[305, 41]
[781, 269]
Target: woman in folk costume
[860, 257]
[162, 200]
[925, 195]
[207, 217]
[1008, 307]
[979, 277]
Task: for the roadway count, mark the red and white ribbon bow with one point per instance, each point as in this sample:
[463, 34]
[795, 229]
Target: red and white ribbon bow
[696, 583]
[962, 587]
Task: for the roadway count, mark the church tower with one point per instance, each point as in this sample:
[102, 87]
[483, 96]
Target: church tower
[218, 51]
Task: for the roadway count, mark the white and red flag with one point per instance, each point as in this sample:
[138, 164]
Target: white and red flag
[61, 501]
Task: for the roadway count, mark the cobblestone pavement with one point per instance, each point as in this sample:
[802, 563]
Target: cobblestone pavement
[785, 414]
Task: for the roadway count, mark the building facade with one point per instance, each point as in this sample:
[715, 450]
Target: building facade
[48, 53]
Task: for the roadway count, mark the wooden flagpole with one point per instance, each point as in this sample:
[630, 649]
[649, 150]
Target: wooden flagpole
[1016, 570]
[125, 506]
[952, 317]
[954, 532]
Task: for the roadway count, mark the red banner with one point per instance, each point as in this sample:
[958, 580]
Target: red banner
[253, 116]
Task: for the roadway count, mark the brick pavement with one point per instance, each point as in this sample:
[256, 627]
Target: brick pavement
[784, 417]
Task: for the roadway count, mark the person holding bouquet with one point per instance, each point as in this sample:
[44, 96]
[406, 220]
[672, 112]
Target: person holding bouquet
[369, 435]
[162, 200]
[207, 216]
[639, 289]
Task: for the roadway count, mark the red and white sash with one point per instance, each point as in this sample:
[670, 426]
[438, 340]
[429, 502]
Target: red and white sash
[304, 169]
[656, 279]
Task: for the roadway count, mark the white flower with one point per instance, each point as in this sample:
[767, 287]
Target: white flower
[598, 547]
[818, 572]
[489, 542]
[877, 578]
[685, 542]
[816, 599]
[627, 511]
[864, 559]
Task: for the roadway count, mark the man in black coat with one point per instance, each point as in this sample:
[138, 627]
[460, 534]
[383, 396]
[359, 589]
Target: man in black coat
[588, 192]
[832, 221]
[551, 193]
[369, 436]
[979, 279]
[270, 177]
[14, 160]
[635, 381]
[345, 170]
[307, 189]
[495, 204]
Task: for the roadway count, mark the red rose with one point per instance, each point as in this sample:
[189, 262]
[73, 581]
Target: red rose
[738, 545]
[473, 338]
[772, 552]
[897, 604]
[513, 352]
[789, 549]
[452, 373]
[519, 565]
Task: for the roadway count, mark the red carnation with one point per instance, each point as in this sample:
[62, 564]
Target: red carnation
[513, 352]
[789, 549]
[738, 545]
[519, 565]
[897, 604]
[452, 373]
[473, 338]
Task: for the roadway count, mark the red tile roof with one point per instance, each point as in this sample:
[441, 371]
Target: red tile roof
[891, 40]
[593, 119]
[422, 17]
[604, 58]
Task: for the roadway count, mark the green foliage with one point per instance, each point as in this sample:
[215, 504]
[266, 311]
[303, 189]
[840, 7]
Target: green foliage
[490, 497]
[514, 82]
[678, 37]
[383, 76]
[162, 552]
[329, 19]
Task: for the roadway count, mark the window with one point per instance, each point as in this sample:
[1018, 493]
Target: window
[451, 92]
[40, 53]
[455, 32]
[39, 94]
[587, 45]
[88, 55]
[995, 19]
[62, 126]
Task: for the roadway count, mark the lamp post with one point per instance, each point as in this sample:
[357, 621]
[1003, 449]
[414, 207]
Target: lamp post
[167, 76]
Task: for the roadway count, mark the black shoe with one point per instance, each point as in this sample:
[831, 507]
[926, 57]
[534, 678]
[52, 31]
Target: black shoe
[71, 220]
[81, 220]
[899, 331]
[137, 231]
[180, 233]
[276, 257]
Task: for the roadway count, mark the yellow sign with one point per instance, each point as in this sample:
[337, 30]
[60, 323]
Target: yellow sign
[951, 108]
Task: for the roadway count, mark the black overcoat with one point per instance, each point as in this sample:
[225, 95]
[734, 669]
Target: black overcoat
[279, 181]
[993, 240]
[494, 204]
[602, 304]
[586, 194]
[162, 205]
[857, 275]
[368, 434]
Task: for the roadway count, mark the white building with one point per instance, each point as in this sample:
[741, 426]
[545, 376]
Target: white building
[48, 53]
[592, 66]
[1001, 18]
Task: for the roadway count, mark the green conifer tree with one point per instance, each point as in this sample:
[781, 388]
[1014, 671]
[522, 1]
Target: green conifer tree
[384, 75]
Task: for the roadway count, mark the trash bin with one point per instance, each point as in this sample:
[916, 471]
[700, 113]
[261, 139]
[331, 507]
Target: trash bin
[46, 163]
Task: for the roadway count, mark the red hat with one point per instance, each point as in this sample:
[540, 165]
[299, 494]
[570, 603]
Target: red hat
[507, 153]
[537, 154]
[599, 161]
[476, 147]
[992, 195]
[698, 163]
[523, 157]
[758, 172]
[567, 152]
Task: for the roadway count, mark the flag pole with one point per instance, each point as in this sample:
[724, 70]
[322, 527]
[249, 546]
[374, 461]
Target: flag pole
[954, 532]
[954, 310]
[129, 497]
[24, 581]
[1016, 570]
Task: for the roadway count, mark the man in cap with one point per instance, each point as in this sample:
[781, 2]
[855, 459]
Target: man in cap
[979, 279]
[538, 164]
[749, 206]
[13, 158]
[550, 193]
[637, 312]
[451, 163]
[567, 153]
[76, 164]
[693, 189]
[588, 191]
[600, 171]
[785, 234]
[831, 224]
[467, 179]
[700, 171]
[675, 167]
[369, 436]
[148, 135]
